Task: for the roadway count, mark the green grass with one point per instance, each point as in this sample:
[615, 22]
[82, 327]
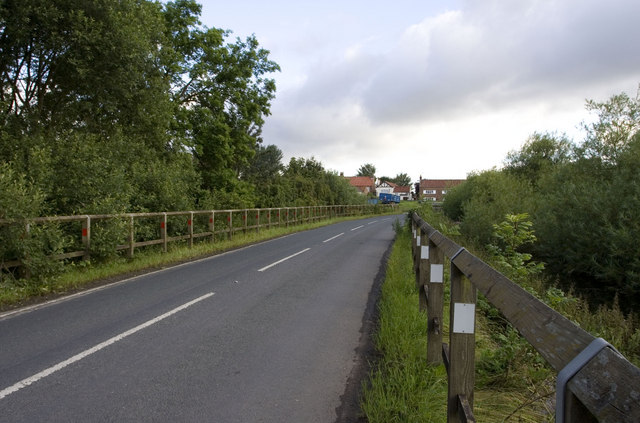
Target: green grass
[82, 274]
[402, 387]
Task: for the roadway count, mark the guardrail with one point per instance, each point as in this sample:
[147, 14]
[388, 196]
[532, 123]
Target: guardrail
[595, 383]
[168, 227]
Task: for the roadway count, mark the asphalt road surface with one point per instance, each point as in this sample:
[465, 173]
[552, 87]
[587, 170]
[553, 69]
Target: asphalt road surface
[268, 333]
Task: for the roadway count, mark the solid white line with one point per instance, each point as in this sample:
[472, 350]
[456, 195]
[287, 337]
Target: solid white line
[28, 381]
[284, 259]
[333, 237]
[357, 227]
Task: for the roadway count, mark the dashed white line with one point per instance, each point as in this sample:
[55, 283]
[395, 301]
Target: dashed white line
[30, 380]
[284, 259]
[374, 221]
[333, 237]
[357, 227]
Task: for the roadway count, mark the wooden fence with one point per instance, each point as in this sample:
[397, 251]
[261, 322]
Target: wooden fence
[595, 382]
[162, 228]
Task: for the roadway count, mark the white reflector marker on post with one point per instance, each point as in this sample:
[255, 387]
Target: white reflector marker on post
[464, 318]
[437, 273]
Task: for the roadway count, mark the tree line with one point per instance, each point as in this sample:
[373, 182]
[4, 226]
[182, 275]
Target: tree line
[582, 197]
[135, 106]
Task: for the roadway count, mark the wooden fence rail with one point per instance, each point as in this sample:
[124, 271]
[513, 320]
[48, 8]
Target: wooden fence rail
[595, 382]
[179, 226]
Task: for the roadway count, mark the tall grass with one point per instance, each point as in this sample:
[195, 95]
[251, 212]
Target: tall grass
[402, 387]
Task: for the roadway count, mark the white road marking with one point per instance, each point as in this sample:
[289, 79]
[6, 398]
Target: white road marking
[372, 222]
[284, 259]
[357, 227]
[30, 380]
[333, 237]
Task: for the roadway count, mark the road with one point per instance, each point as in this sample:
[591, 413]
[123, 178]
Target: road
[267, 333]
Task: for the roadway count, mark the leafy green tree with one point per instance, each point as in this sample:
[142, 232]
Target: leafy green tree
[220, 92]
[485, 199]
[617, 124]
[402, 179]
[367, 170]
[508, 237]
[265, 166]
[538, 156]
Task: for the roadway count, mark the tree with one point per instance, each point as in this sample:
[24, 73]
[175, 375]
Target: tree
[265, 166]
[367, 170]
[62, 67]
[220, 93]
[402, 179]
[538, 155]
[617, 125]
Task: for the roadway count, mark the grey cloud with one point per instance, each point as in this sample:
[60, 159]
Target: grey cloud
[495, 56]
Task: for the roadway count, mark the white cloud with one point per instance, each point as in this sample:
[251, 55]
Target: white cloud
[454, 91]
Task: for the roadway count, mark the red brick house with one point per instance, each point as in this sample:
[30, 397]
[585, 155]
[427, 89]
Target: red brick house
[364, 184]
[436, 189]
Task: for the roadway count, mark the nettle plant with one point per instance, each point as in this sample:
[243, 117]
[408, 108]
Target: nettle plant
[509, 236]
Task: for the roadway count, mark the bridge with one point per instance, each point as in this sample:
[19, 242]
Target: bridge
[595, 383]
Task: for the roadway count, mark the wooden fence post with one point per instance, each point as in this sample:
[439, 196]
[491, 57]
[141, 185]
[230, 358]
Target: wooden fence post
[462, 348]
[230, 220]
[434, 278]
[212, 225]
[190, 227]
[132, 237]
[86, 237]
[163, 232]
[415, 248]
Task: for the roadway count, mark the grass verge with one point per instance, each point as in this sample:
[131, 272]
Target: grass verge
[402, 387]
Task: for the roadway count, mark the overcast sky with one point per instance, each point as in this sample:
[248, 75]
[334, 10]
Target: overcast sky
[437, 88]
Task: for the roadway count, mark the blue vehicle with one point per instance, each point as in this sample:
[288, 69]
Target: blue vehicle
[387, 198]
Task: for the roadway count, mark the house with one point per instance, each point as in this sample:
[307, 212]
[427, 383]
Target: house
[364, 184]
[436, 189]
[385, 187]
[403, 192]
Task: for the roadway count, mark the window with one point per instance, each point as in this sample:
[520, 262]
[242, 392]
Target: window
[444, 191]
[429, 191]
[430, 198]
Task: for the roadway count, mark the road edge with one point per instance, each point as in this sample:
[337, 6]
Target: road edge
[365, 353]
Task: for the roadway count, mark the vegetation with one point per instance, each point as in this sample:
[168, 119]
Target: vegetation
[582, 198]
[134, 106]
[512, 383]
[402, 387]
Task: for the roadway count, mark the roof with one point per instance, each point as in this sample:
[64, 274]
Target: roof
[440, 183]
[391, 184]
[401, 189]
[361, 181]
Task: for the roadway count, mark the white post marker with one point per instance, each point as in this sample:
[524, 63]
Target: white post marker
[437, 273]
[464, 317]
[424, 252]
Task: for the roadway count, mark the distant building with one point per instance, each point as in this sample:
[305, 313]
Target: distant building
[385, 187]
[364, 184]
[435, 189]
[403, 192]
